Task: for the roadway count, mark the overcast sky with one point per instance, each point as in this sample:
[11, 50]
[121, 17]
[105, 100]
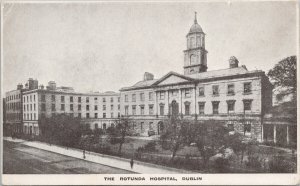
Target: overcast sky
[106, 46]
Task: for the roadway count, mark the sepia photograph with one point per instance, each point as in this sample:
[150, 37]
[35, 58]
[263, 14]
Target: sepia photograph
[125, 89]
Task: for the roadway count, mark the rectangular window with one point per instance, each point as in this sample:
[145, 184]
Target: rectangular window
[71, 99]
[95, 107]
[230, 89]
[247, 105]
[142, 109]
[104, 115]
[247, 127]
[95, 98]
[87, 115]
[187, 109]
[103, 100]
[104, 107]
[151, 126]
[201, 107]
[30, 98]
[111, 115]
[142, 126]
[119, 107]
[87, 107]
[62, 107]
[161, 109]
[34, 107]
[133, 110]
[187, 93]
[111, 107]
[111, 100]
[215, 90]
[62, 99]
[215, 105]
[151, 110]
[150, 96]
[71, 107]
[79, 107]
[119, 99]
[33, 97]
[247, 88]
[79, 99]
[43, 97]
[126, 110]
[53, 98]
[142, 96]
[118, 114]
[230, 105]
[96, 115]
[126, 98]
[87, 99]
[53, 107]
[43, 107]
[133, 98]
[161, 95]
[30, 107]
[79, 115]
[201, 91]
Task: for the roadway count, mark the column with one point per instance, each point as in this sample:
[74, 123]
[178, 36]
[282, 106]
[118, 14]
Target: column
[287, 135]
[274, 132]
[262, 133]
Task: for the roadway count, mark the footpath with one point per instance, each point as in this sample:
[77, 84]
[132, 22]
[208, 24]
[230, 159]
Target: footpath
[112, 161]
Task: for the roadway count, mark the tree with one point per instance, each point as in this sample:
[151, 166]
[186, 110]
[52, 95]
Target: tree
[284, 76]
[211, 138]
[118, 133]
[62, 128]
[175, 134]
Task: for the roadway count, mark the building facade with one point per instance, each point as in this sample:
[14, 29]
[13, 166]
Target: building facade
[96, 110]
[234, 96]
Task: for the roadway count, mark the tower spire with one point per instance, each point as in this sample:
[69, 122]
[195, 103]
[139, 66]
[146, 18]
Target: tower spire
[195, 21]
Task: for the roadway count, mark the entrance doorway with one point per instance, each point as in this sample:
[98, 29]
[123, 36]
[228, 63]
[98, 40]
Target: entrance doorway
[174, 108]
[160, 127]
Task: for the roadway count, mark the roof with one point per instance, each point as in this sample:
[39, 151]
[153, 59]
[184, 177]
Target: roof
[141, 84]
[222, 73]
[195, 28]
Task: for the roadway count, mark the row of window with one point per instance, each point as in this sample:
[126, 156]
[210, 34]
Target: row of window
[215, 106]
[33, 116]
[187, 92]
[13, 106]
[13, 97]
[28, 98]
[13, 116]
[71, 99]
[62, 107]
[141, 97]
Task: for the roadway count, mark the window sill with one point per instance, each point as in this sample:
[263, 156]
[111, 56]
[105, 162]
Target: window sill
[247, 93]
[215, 95]
[231, 94]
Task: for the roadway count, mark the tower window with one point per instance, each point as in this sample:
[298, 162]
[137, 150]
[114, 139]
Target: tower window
[193, 59]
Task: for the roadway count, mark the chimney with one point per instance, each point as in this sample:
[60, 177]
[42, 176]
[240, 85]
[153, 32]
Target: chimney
[148, 76]
[51, 85]
[35, 84]
[30, 83]
[19, 86]
[233, 62]
[42, 87]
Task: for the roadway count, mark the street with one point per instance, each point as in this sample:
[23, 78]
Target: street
[21, 159]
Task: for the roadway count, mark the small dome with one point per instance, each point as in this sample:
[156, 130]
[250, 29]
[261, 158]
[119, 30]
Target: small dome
[196, 28]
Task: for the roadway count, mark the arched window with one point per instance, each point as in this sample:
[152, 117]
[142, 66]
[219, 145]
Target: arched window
[193, 59]
[192, 42]
[104, 126]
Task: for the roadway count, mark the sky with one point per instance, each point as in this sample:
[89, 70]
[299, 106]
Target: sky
[104, 46]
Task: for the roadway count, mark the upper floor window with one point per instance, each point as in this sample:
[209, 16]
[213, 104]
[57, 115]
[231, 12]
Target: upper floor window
[111, 100]
[103, 100]
[71, 107]
[201, 91]
[33, 97]
[142, 96]
[126, 110]
[161, 95]
[62, 107]
[187, 108]
[133, 98]
[215, 90]
[150, 96]
[95, 98]
[247, 88]
[230, 89]
[151, 110]
[87, 107]
[62, 98]
[79, 99]
[87, 99]
[52, 98]
[104, 107]
[142, 109]
[161, 109]
[111, 107]
[119, 99]
[133, 109]
[126, 98]
[187, 93]
[79, 107]
[53, 107]
[174, 92]
[119, 107]
[43, 107]
[230, 105]
[95, 107]
[71, 99]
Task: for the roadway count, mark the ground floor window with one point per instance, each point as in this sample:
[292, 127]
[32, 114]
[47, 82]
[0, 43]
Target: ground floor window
[247, 128]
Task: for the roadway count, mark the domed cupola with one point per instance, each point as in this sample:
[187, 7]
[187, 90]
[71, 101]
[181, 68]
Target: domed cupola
[196, 28]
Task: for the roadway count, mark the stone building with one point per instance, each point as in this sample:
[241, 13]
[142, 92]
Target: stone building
[13, 111]
[234, 96]
[96, 110]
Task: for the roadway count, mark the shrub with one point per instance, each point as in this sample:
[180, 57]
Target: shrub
[221, 164]
[150, 147]
[279, 165]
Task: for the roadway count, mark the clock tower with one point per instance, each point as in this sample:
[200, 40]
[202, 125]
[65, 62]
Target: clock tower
[195, 60]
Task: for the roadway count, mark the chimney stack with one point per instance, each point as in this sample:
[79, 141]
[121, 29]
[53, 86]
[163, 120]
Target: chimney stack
[233, 62]
[148, 76]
